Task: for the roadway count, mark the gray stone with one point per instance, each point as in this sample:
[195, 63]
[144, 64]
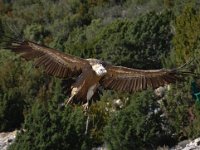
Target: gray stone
[7, 138]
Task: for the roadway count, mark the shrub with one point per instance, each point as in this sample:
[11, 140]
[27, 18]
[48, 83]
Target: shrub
[137, 126]
[48, 126]
[19, 84]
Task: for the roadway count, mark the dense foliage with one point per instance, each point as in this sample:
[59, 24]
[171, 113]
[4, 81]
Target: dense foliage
[48, 126]
[19, 85]
[137, 126]
[139, 43]
[146, 34]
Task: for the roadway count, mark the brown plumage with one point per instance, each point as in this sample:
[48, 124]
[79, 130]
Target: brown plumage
[92, 73]
[127, 79]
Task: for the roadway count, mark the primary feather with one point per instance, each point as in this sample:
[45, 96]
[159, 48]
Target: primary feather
[54, 62]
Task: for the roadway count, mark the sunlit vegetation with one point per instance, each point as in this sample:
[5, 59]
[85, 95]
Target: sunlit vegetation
[146, 34]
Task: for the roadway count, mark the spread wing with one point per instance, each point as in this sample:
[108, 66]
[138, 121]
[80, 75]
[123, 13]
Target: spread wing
[54, 62]
[130, 80]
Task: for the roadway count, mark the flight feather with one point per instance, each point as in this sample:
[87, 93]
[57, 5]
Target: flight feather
[54, 62]
[127, 79]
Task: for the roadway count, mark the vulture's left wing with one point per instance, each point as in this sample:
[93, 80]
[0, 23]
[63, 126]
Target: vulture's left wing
[130, 80]
[54, 62]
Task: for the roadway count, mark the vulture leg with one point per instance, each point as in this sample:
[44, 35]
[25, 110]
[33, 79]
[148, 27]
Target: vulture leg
[86, 106]
[73, 93]
[90, 93]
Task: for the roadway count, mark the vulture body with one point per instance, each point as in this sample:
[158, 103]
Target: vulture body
[92, 73]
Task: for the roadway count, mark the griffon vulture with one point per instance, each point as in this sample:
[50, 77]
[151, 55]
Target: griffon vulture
[92, 73]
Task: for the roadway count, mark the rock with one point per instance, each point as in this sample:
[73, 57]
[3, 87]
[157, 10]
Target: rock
[184, 143]
[160, 92]
[7, 138]
[188, 145]
[117, 104]
[103, 147]
[193, 145]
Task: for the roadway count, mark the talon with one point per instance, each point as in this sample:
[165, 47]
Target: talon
[85, 106]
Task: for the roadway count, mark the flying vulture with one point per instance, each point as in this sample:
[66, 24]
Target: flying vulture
[92, 73]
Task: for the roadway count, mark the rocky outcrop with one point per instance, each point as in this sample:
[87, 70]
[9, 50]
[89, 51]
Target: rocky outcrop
[188, 145]
[7, 138]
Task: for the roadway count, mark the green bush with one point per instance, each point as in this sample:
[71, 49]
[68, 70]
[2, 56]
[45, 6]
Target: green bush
[176, 107]
[48, 126]
[182, 112]
[19, 85]
[55, 129]
[141, 43]
[137, 126]
[133, 33]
